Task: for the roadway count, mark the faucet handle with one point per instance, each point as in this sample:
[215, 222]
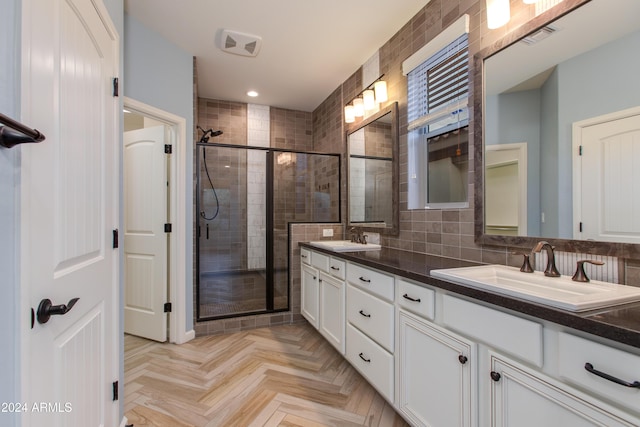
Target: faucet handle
[526, 264]
[580, 275]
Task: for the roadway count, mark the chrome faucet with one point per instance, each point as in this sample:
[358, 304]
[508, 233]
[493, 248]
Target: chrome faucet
[551, 269]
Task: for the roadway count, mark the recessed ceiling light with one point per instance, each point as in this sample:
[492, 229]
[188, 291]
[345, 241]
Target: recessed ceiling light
[252, 93]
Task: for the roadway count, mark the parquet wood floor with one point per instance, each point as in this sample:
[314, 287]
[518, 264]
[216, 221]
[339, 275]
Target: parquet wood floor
[285, 375]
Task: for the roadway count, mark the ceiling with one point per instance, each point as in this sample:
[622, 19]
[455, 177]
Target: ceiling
[309, 47]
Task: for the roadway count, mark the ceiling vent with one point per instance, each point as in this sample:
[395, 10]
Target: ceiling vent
[239, 43]
[539, 35]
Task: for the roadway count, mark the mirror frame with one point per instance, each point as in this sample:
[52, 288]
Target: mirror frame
[395, 171]
[623, 250]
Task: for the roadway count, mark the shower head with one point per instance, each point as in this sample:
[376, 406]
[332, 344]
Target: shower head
[206, 134]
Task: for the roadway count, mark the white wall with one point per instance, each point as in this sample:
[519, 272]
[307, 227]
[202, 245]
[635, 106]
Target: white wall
[160, 74]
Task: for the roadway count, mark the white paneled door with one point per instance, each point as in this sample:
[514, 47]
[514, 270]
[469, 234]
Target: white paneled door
[608, 195]
[69, 209]
[145, 240]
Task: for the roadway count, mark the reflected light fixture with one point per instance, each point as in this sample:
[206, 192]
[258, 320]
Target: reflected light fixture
[367, 100]
[498, 13]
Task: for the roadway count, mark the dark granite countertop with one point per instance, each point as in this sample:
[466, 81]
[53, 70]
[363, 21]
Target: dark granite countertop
[620, 323]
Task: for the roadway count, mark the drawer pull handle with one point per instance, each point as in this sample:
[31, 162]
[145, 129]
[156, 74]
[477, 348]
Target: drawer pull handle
[333, 267]
[495, 376]
[303, 256]
[364, 358]
[589, 367]
[364, 314]
[365, 280]
[405, 296]
[462, 359]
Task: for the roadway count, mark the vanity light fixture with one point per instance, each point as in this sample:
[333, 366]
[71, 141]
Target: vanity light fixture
[370, 96]
[498, 13]
[369, 99]
[358, 107]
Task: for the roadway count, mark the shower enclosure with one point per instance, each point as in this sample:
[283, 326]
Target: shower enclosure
[246, 199]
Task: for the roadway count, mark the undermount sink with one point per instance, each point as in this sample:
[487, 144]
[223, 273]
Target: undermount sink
[345, 246]
[560, 292]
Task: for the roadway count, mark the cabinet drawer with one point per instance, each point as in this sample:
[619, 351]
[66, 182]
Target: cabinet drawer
[305, 255]
[520, 337]
[417, 299]
[337, 268]
[373, 362]
[371, 315]
[320, 261]
[576, 352]
[371, 280]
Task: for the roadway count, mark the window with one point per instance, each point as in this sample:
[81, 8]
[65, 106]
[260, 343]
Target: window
[438, 92]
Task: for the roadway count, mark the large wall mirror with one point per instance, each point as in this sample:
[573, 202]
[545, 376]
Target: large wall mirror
[557, 130]
[372, 147]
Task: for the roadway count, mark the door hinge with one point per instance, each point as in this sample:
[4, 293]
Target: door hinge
[580, 226]
[115, 87]
[167, 227]
[115, 391]
[167, 307]
[115, 239]
[168, 149]
[580, 150]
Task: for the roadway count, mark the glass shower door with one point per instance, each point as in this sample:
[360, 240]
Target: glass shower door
[231, 231]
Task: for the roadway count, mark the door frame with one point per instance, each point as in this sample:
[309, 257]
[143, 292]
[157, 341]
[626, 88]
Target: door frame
[577, 129]
[178, 213]
[521, 161]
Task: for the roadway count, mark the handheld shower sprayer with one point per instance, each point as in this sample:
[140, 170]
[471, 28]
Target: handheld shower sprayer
[209, 133]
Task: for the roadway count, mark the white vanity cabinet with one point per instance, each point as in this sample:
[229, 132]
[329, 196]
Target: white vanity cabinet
[524, 397]
[310, 294]
[332, 300]
[371, 326]
[443, 359]
[323, 295]
[436, 374]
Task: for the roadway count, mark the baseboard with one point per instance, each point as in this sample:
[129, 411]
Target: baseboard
[124, 421]
[186, 337]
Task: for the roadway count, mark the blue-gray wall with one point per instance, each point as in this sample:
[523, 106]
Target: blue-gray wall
[160, 74]
[9, 216]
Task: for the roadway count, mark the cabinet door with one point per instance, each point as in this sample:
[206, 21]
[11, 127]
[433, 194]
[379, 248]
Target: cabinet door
[436, 375]
[309, 305]
[332, 323]
[522, 397]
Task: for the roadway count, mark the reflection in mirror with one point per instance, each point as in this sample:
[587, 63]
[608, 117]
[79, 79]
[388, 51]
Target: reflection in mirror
[372, 147]
[560, 151]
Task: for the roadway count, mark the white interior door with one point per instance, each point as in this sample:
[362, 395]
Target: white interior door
[69, 207]
[609, 181]
[145, 241]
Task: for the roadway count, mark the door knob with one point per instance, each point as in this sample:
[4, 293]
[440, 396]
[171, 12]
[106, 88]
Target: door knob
[46, 309]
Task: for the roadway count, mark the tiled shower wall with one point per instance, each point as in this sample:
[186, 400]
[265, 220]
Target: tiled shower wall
[256, 125]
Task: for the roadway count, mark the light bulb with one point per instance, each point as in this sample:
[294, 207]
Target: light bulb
[380, 88]
[369, 99]
[498, 13]
[358, 107]
[349, 114]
